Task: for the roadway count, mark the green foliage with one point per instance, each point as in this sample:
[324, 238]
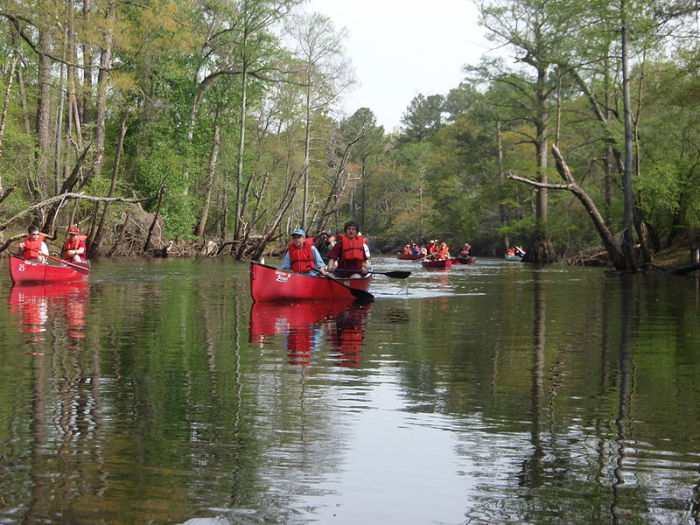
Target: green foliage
[176, 75]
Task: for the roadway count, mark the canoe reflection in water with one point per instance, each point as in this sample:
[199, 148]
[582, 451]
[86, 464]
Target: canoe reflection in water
[34, 304]
[306, 325]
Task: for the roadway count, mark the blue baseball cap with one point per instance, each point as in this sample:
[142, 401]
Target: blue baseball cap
[299, 231]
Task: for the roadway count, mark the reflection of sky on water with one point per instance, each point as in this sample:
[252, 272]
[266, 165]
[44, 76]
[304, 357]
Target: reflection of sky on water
[395, 467]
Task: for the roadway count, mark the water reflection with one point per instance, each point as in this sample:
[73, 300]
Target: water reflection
[532, 395]
[306, 326]
[37, 304]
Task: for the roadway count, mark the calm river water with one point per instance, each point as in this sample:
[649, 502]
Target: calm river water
[490, 393]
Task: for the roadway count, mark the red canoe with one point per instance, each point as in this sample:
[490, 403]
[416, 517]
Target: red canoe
[409, 256]
[23, 271]
[443, 264]
[268, 283]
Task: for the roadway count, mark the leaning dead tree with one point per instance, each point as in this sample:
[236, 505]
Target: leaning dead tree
[611, 246]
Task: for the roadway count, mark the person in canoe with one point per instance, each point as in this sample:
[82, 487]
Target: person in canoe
[75, 247]
[440, 252]
[302, 256]
[350, 255]
[323, 243]
[33, 247]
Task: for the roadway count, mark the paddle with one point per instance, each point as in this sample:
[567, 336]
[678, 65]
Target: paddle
[357, 294]
[80, 268]
[398, 274]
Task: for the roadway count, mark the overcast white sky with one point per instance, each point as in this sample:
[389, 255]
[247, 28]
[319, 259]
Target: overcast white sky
[400, 48]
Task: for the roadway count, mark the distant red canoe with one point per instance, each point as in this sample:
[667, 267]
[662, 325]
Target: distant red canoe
[444, 264]
[268, 283]
[463, 260]
[23, 271]
[409, 256]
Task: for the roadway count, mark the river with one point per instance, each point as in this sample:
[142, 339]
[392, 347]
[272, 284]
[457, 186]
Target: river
[489, 393]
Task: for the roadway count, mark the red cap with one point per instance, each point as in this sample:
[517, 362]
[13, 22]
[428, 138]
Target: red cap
[73, 230]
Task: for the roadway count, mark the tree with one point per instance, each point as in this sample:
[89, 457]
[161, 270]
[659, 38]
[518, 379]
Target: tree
[422, 118]
[363, 123]
[538, 36]
[325, 74]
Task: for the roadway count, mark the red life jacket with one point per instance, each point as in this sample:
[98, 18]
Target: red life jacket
[73, 244]
[301, 258]
[353, 249]
[32, 247]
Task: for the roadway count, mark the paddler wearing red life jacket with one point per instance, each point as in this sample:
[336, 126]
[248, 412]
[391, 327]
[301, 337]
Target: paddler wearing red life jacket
[74, 248]
[350, 255]
[302, 256]
[33, 246]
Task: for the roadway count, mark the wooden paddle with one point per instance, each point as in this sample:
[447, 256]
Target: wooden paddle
[357, 294]
[80, 268]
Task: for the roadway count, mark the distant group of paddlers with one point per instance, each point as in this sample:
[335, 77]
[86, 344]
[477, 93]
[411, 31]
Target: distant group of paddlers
[434, 250]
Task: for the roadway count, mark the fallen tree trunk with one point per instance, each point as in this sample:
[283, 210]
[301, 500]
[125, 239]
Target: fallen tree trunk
[682, 270]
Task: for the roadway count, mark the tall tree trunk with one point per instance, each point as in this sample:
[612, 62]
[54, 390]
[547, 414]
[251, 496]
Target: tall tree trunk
[501, 180]
[211, 173]
[58, 132]
[100, 118]
[20, 84]
[224, 214]
[307, 155]
[540, 249]
[628, 228]
[85, 101]
[6, 101]
[94, 248]
[237, 228]
[43, 124]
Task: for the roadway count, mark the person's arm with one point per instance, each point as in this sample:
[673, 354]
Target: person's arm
[318, 261]
[44, 250]
[365, 265]
[286, 262]
[332, 263]
[333, 256]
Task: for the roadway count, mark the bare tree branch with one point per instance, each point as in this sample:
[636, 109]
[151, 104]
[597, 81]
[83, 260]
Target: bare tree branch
[80, 196]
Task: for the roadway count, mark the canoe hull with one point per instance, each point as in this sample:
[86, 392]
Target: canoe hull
[513, 258]
[409, 256]
[445, 264]
[23, 271]
[268, 283]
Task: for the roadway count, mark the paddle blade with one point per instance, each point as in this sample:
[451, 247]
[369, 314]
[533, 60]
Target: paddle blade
[398, 274]
[361, 295]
